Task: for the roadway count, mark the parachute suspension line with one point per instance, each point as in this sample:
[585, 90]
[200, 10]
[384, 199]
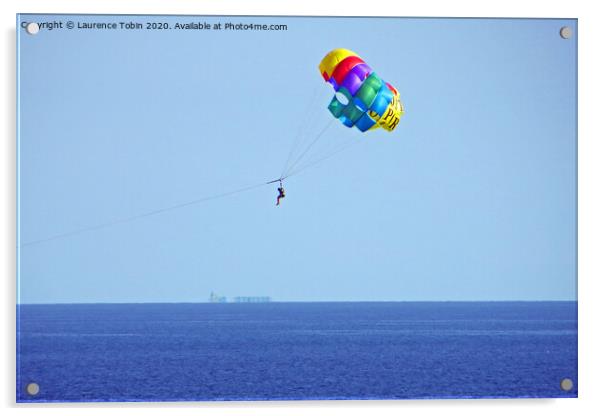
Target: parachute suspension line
[307, 119]
[335, 144]
[143, 215]
[307, 149]
[315, 162]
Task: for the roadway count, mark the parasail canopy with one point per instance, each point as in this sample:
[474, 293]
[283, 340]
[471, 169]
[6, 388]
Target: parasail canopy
[362, 98]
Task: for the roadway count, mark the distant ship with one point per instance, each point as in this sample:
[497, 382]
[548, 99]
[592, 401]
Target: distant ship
[252, 299]
[215, 298]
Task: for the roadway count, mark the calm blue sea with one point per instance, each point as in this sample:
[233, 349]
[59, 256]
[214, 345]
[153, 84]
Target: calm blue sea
[279, 351]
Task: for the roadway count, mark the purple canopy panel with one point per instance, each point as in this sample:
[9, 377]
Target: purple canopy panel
[333, 83]
[355, 77]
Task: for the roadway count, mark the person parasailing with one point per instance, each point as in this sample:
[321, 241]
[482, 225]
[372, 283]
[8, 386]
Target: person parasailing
[281, 194]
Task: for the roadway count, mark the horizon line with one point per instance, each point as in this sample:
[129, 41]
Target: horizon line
[295, 301]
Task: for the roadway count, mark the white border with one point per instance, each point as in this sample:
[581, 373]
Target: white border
[590, 206]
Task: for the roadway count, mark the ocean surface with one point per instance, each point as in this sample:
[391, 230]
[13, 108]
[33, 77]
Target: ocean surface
[296, 351]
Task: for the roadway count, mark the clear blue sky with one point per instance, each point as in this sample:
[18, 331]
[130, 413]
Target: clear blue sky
[472, 197]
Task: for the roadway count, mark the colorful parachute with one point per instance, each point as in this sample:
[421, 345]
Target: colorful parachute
[362, 98]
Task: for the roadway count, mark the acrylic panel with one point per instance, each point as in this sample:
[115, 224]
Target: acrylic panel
[295, 208]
